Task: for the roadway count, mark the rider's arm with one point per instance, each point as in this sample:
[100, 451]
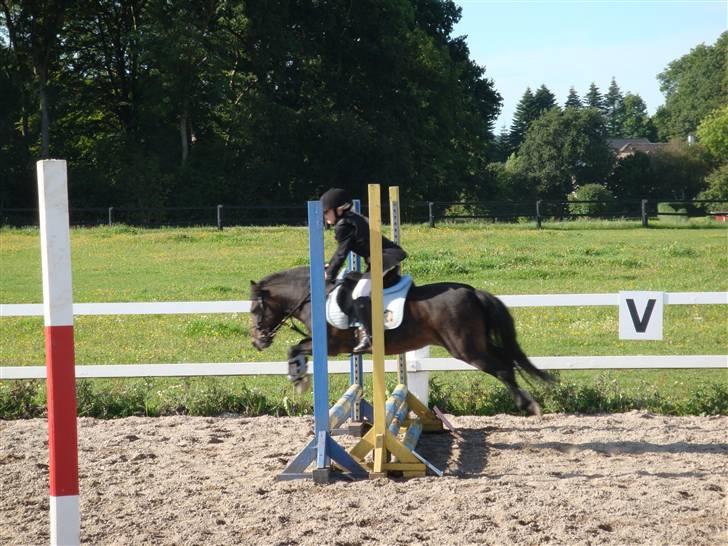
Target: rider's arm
[344, 233]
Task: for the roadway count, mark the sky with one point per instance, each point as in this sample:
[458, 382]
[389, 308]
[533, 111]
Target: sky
[560, 43]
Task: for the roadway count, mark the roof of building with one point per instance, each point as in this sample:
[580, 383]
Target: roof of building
[626, 146]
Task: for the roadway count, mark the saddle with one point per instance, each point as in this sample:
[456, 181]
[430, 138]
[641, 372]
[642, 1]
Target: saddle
[395, 296]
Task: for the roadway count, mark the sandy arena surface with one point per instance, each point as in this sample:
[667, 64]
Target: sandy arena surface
[630, 478]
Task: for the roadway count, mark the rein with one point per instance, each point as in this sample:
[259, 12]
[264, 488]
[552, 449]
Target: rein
[290, 314]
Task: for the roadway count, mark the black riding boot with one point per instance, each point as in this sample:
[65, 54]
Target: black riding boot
[363, 307]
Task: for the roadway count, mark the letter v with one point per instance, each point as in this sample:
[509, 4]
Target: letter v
[641, 324]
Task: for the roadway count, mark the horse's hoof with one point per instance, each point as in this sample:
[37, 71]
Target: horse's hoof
[303, 385]
[535, 409]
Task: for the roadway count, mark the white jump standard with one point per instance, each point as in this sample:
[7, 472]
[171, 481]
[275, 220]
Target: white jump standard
[61, 381]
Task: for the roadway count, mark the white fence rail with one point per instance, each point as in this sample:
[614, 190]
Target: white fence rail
[340, 366]
[414, 364]
[211, 307]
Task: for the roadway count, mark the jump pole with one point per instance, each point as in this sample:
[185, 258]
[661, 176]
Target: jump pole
[356, 361]
[322, 449]
[379, 438]
[55, 244]
[394, 220]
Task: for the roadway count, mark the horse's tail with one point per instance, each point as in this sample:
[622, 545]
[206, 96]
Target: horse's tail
[501, 333]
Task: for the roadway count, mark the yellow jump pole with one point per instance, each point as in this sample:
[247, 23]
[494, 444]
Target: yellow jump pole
[379, 439]
[378, 386]
[394, 220]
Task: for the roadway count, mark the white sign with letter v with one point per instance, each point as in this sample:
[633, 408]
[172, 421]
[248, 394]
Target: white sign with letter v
[640, 315]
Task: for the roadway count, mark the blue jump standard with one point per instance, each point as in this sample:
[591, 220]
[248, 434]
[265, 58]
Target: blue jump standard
[322, 449]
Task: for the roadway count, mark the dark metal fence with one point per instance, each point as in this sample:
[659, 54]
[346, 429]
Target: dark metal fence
[430, 212]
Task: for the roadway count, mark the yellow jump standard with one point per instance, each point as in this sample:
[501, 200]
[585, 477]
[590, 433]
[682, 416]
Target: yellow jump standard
[379, 438]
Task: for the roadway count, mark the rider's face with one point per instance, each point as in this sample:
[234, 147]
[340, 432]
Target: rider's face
[330, 216]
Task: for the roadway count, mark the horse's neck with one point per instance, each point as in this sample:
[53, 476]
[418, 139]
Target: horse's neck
[290, 289]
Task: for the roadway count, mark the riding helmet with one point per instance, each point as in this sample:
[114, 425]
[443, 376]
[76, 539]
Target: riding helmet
[335, 198]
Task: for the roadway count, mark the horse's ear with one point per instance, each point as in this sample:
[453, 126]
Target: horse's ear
[252, 283]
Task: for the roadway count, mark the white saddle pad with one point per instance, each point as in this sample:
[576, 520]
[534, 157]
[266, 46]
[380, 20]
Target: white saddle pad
[394, 298]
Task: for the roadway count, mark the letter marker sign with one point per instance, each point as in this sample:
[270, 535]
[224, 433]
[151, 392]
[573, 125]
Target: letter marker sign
[640, 315]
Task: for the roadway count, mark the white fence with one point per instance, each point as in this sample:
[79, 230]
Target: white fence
[416, 362]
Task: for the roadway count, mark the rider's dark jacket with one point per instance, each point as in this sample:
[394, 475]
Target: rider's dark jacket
[352, 235]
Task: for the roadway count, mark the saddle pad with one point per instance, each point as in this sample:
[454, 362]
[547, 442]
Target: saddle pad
[394, 299]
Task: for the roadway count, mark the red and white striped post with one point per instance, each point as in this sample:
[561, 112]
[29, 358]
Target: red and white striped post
[55, 244]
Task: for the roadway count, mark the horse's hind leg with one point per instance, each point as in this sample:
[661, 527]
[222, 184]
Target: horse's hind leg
[506, 375]
[522, 397]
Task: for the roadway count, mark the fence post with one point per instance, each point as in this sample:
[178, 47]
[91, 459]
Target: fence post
[431, 213]
[644, 213]
[111, 215]
[219, 217]
[538, 214]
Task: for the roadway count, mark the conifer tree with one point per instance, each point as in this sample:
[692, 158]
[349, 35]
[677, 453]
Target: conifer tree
[543, 100]
[503, 145]
[572, 101]
[614, 110]
[593, 98]
[525, 113]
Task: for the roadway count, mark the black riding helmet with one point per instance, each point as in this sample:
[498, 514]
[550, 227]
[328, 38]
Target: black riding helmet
[334, 198]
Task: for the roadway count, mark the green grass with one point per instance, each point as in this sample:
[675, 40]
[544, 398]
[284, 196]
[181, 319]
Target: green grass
[130, 264]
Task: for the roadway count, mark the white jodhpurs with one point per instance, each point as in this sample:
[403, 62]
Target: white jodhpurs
[362, 289]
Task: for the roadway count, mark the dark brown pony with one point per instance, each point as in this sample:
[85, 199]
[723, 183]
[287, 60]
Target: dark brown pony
[473, 325]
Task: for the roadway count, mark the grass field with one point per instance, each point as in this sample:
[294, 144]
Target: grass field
[129, 264]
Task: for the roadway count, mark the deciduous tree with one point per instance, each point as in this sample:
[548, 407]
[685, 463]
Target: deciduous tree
[693, 85]
[564, 150]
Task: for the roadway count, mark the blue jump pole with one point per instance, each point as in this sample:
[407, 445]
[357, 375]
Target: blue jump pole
[322, 447]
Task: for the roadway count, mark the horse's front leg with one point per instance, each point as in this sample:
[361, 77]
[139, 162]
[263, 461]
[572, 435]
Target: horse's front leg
[297, 365]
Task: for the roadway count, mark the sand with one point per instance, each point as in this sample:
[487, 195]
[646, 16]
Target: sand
[630, 478]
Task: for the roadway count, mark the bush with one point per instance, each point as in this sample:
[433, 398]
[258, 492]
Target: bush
[602, 201]
[717, 182]
[22, 399]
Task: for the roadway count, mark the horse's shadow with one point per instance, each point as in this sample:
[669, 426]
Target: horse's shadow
[467, 455]
[464, 455]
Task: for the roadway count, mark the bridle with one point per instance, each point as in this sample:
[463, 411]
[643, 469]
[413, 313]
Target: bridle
[268, 334]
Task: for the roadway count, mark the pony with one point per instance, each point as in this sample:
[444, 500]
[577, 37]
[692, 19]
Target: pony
[472, 325]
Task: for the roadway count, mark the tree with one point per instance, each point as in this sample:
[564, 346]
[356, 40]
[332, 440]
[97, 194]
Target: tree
[543, 100]
[504, 183]
[633, 178]
[614, 109]
[679, 170]
[565, 150]
[717, 187]
[526, 112]
[502, 145]
[636, 122]
[573, 101]
[713, 133]
[33, 27]
[15, 135]
[178, 103]
[593, 98]
[693, 85]
[603, 200]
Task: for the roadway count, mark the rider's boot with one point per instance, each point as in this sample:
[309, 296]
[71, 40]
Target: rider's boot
[363, 308]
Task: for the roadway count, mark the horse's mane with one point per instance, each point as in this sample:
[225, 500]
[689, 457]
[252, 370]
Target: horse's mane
[279, 281]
